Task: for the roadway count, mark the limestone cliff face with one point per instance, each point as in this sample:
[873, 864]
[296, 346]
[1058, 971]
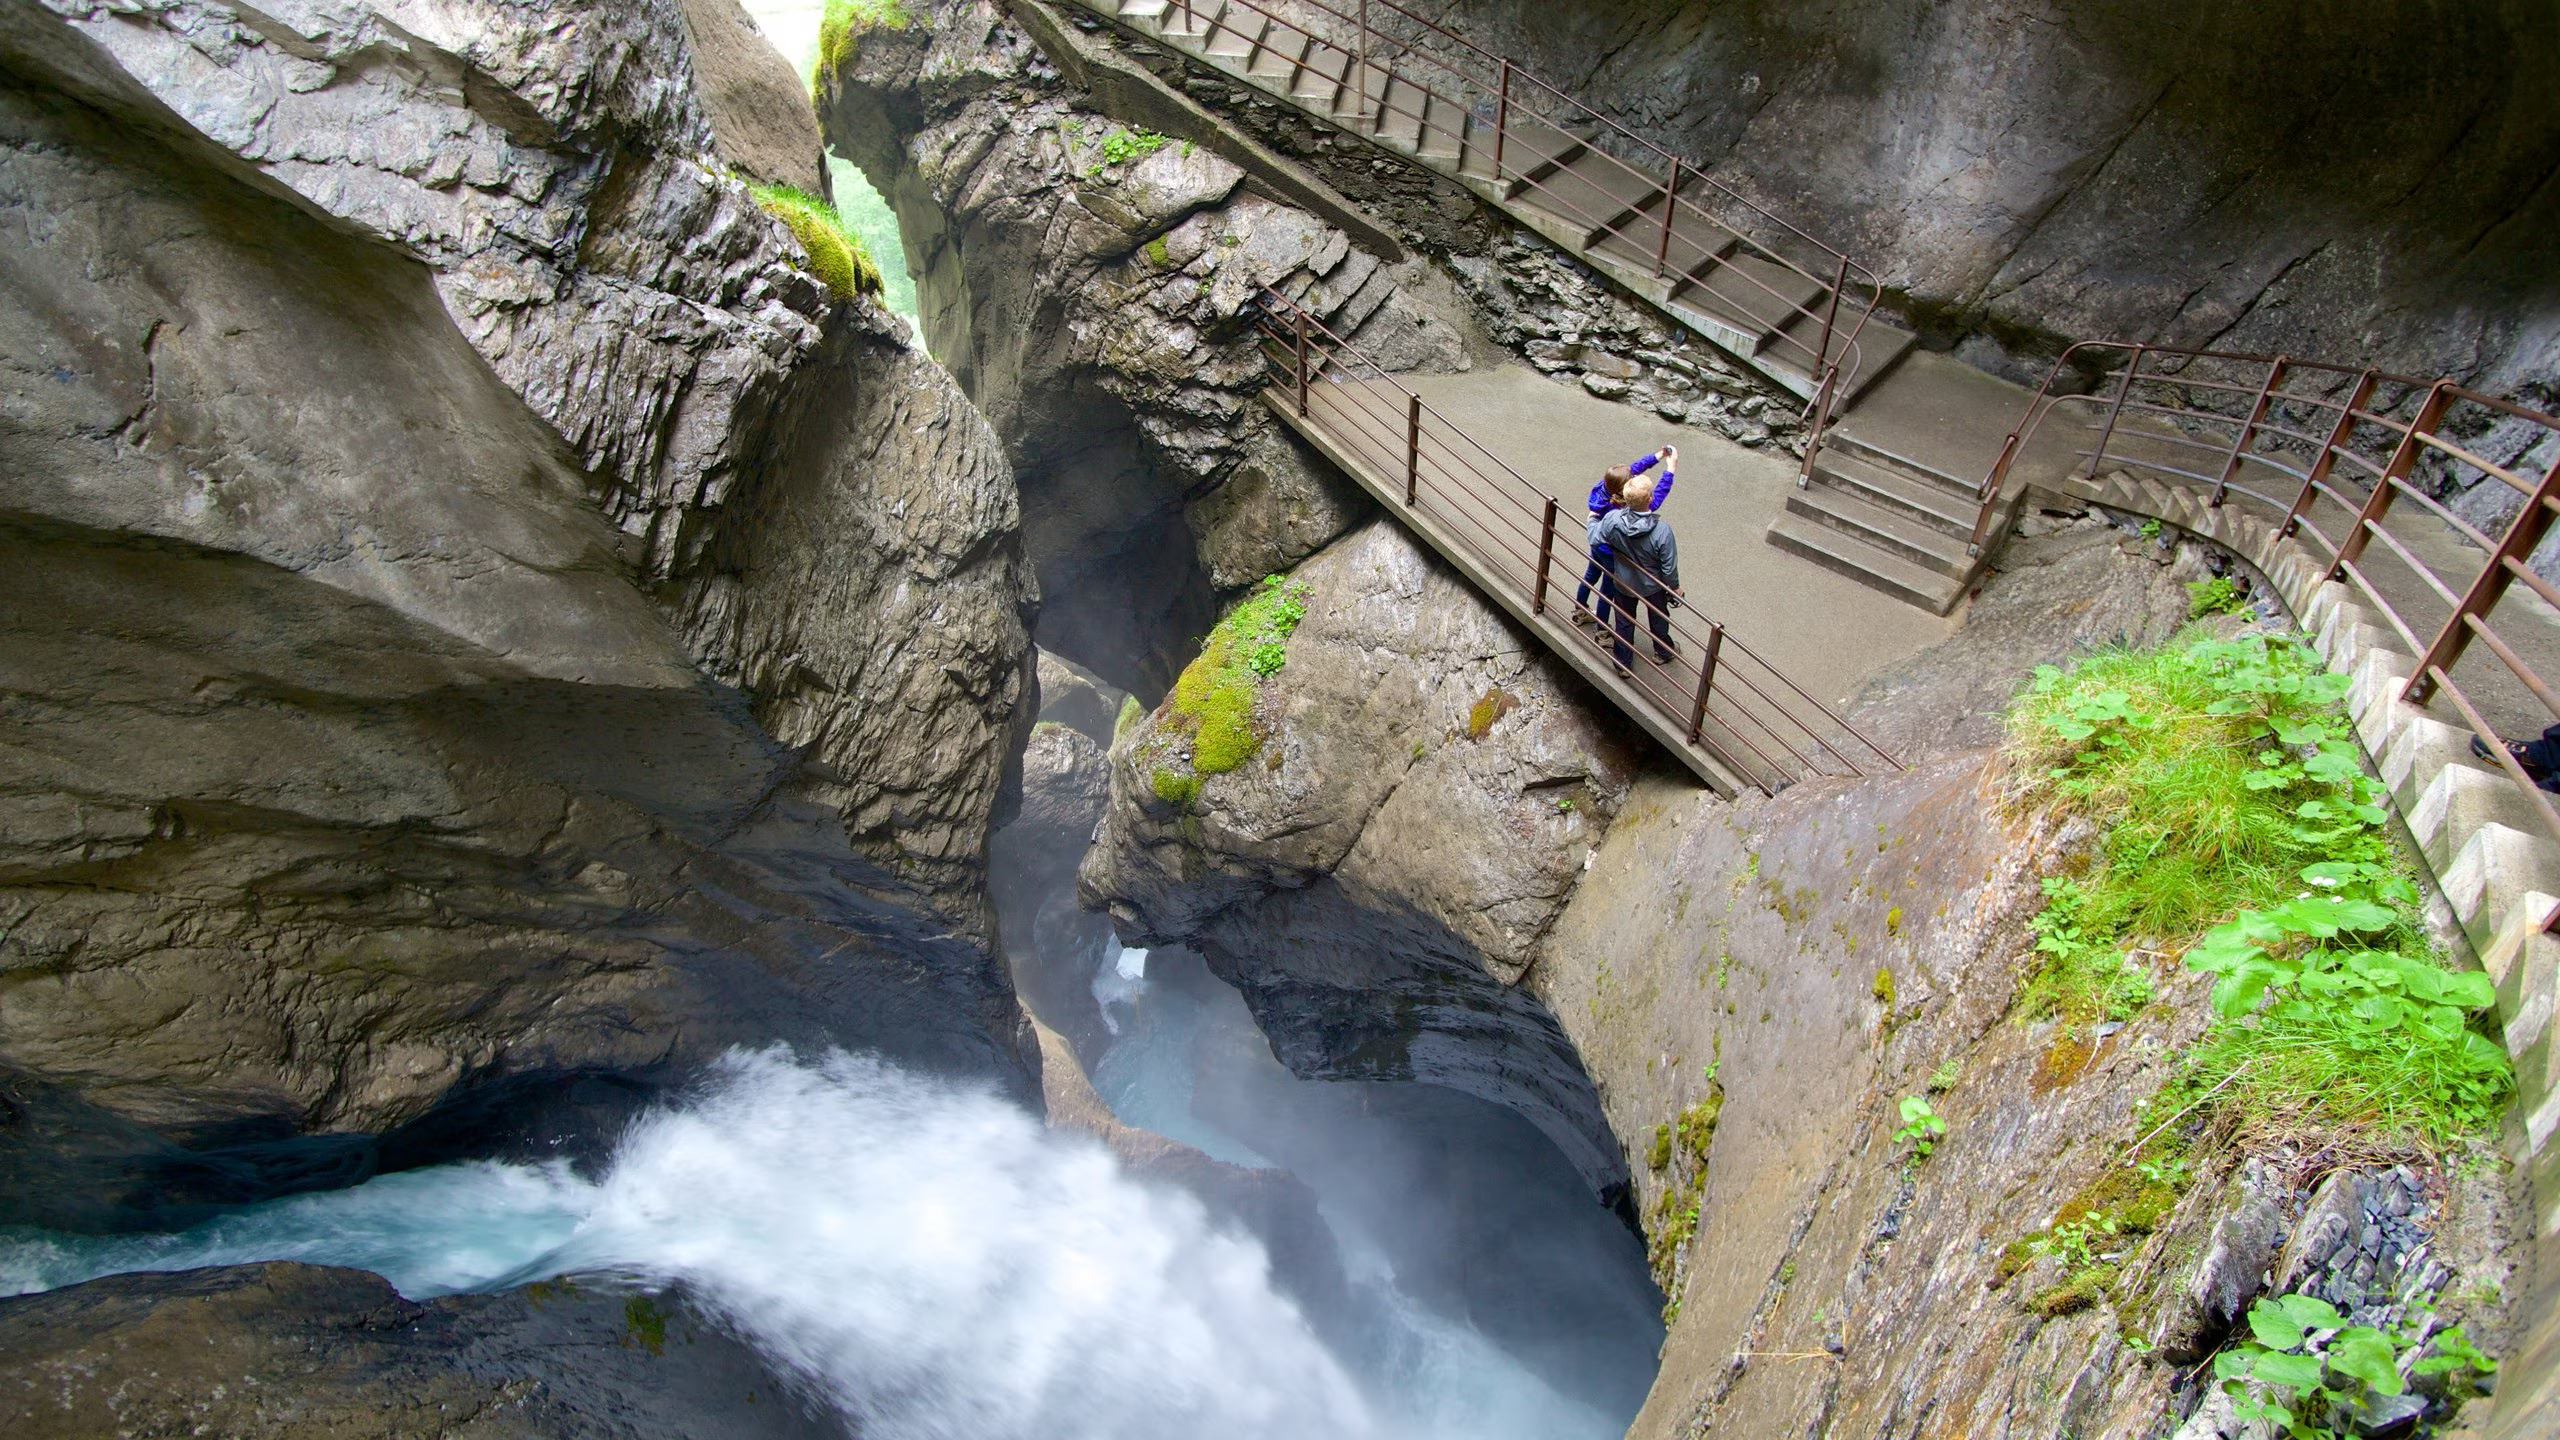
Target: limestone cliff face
[2365, 181]
[1378, 878]
[479, 614]
[1087, 282]
[815, 505]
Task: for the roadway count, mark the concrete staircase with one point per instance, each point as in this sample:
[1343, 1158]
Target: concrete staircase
[1889, 522]
[1597, 206]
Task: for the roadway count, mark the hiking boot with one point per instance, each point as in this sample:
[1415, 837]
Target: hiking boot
[2516, 750]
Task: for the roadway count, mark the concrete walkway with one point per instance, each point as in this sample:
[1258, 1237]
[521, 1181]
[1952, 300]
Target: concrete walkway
[1825, 631]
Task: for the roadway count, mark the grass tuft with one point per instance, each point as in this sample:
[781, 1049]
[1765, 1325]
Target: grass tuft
[845, 22]
[2242, 835]
[837, 256]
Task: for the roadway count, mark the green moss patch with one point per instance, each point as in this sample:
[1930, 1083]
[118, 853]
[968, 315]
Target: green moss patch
[1215, 697]
[1489, 710]
[646, 1324]
[845, 22]
[837, 256]
[1680, 1147]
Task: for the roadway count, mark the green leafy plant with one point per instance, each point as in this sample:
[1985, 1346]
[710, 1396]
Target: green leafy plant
[2241, 832]
[1943, 1079]
[1920, 1126]
[1119, 147]
[837, 256]
[2215, 595]
[843, 24]
[2307, 1371]
[2150, 529]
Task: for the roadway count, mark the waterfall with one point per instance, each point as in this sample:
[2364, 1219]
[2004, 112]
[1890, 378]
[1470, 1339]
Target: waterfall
[924, 1256]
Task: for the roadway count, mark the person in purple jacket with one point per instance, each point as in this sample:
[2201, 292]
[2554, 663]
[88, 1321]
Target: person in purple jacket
[1604, 498]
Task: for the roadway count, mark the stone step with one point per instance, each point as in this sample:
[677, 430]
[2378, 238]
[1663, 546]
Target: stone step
[1919, 500]
[1867, 564]
[1929, 546]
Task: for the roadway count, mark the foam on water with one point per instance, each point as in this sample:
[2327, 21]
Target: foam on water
[928, 1257]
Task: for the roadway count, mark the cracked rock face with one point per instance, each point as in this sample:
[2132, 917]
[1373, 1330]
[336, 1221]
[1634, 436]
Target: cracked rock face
[2237, 177]
[1378, 878]
[1089, 288]
[821, 511]
[367, 797]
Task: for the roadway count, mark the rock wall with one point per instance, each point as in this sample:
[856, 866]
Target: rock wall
[486, 630]
[2357, 181]
[1380, 875]
[570, 193]
[297, 1352]
[1090, 292]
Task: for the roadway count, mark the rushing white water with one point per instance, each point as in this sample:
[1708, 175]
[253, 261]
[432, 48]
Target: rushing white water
[929, 1258]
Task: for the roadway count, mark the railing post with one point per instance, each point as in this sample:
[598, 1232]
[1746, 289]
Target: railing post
[2351, 545]
[1413, 448]
[1822, 397]
[1501, 120]
[2257, 417]
[1706, 679]
[2328, 458]
[1546, 547]
[1991, 488]
[1831, 311]
[1670, 203]
[1360, 67]
[2124, 387]
[2523, 534]
[1302, 364]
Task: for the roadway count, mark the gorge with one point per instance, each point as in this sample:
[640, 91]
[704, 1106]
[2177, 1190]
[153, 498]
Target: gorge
[604, 832]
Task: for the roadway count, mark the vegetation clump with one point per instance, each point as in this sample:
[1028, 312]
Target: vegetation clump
[2242, 834]
[1921, 1126]
[1680, 1148]
[646, 1323]
[1215, 696]
[2304, 1370]
[837, 256]
[845, 22]
[1488, 711]
[2215, 595]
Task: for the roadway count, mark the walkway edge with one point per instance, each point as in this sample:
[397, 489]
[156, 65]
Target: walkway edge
[1561, 639]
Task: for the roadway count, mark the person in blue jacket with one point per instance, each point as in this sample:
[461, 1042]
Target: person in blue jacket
[1644, 566]
[1604, 498]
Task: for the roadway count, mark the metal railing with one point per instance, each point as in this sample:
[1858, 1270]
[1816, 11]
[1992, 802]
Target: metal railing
[1719, 695]
[2356, 464]
[1493, 120]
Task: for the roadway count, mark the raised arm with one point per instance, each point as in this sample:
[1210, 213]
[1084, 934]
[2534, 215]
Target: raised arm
[1669, 455]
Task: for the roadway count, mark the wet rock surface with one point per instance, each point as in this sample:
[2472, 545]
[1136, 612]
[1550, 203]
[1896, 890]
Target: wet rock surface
[814, 505]
[1088, 281]
[2073, 585]
[298, 1352]
[2019, 170]
[367, 799]
[1381, 872]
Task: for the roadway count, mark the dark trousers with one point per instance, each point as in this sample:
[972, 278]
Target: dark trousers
[1595, 576]
[2544, 755]
[1657, 614]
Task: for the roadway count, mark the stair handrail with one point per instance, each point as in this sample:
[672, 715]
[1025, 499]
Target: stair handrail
[1784, 729]
[2316, 442]
[1830, 350]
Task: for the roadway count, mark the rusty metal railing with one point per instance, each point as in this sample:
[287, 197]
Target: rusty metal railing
[1718, 693]
[2380, 475]
[1494, 120]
